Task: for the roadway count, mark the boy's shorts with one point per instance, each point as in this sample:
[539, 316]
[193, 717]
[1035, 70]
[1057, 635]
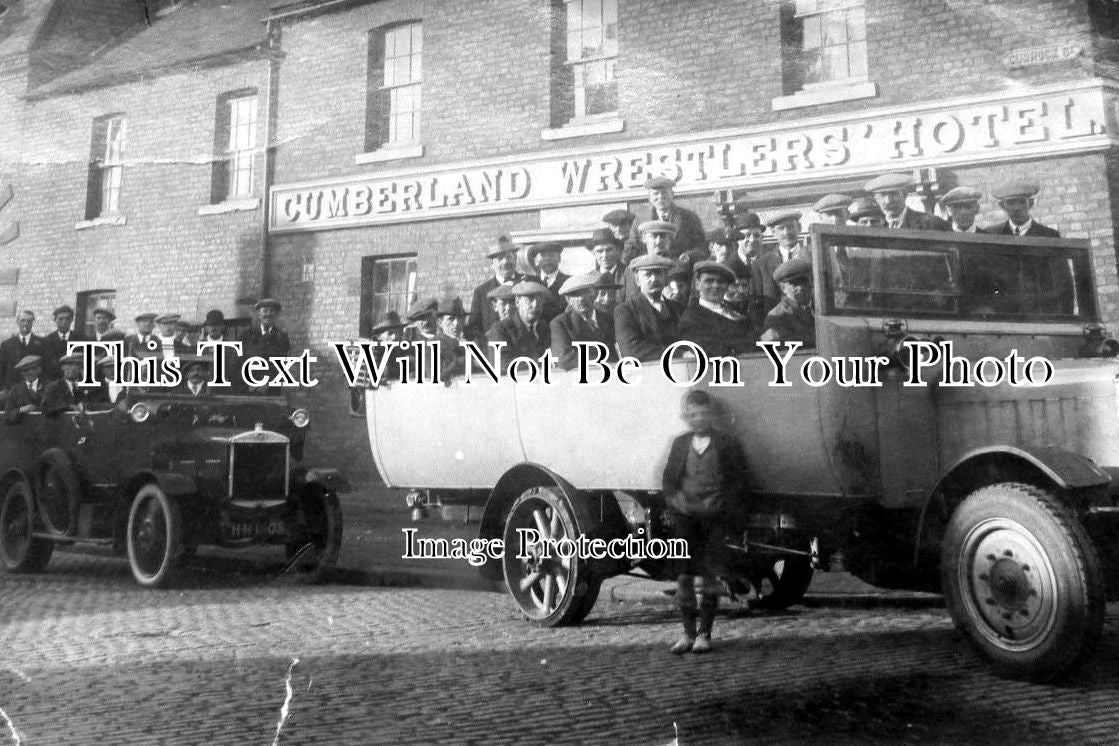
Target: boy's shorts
[706, 539]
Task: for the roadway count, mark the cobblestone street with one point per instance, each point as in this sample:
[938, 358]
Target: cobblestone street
[91, 658]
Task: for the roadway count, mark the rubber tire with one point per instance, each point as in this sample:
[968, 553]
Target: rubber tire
[571, 604]
[19, 551]
[319, 524]
[788, 581]
[57, 474]
[1035, 521]
[166, 545]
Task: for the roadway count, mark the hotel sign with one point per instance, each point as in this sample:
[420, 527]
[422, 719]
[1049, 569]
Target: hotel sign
[953, 133]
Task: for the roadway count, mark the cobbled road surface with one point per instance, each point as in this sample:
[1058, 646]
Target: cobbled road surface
[87, 657]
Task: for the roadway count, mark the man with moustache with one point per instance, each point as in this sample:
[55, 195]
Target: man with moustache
[645, 324]
[503, 263]
[580, 321]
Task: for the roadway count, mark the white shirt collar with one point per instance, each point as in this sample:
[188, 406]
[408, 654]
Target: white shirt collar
[720, 309]
[900, 220]
[700, 443]
[548, 279]
[1023, 228]
[972, 229]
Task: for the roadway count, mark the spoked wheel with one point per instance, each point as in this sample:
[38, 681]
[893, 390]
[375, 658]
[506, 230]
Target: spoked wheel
[1022, 580]
[784, 583]
[19, 550]
[315, 535]
[155, 537]
[550, 589]
[59, 493]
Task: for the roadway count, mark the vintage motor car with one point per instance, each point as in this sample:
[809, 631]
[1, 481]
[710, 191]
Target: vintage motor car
[159, 474]
[1001, 496]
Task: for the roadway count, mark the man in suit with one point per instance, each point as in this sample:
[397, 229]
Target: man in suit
[645, 324]
[792, 319]
[142, 342]
[545, 259]
[65, 395]
[451, 317]
[54, 344]
[688, 233]
[196, 377]
[889, 191]
[265, 338]
[580, 321]
[619, 223]
[764, 291]
[170, 337]
[962, 205]
[865, 212]
[25, 396]
[709, 323]
[525, 332]
[17, 347]
[741, 261]
[103, 330]
[656, 238]
[607, 254]
[606, 295]
[503, 263]
[1016, 198]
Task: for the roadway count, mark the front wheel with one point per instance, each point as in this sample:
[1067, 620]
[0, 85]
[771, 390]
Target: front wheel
[1022, 580]
[19, 550]
[783, 583]
[155, 537]
[315, 535]
[551, 589]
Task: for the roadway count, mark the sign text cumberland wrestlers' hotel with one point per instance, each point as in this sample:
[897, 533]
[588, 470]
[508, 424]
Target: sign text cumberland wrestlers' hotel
[962, 132]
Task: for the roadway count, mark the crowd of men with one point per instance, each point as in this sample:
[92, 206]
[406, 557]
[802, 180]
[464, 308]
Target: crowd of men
[37, 374]
[664, 278]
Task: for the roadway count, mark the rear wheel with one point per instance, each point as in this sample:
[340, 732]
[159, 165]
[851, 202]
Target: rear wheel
[550, 589]
[19, 550]
[316, 535]
[155, 537]
[1022, 580]
[59, 493]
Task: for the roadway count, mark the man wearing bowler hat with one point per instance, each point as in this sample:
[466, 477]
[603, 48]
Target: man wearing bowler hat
[65, 395]
[1016, 198]
[741, 260]
[525, 332]
[580, 321]
[889, 191]
[545, 259]
[451, 316]
[688, 233]
[709, 323]
[962, 205]
[503, 263]
[645, 324]
[792, 319]
[55, 343]
[26, 396]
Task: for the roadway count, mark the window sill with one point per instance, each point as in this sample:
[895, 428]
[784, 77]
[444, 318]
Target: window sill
[583, 128]
[82, 225]
[390, 153]
[230, 205]
[827, 94]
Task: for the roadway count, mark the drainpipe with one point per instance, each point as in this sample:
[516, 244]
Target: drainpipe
[271, 97]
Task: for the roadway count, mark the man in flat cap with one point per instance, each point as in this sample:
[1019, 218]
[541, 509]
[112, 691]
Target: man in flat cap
[792, 319]
[503, 303]
[619, 223]
[64, 395]
[962, 205]
[833, 208]
[1016, 198]
[54, 344]
[645, 324]
[750, 249]
[17, 347]
[25, 396]
[423, 324]
[103, 330]
[581, 321]
[503, 263]
[889, 191]
[764, 292]
[525, 333]
[545, 259]
[656, 240]
[141, 342]
[170, 337]
[865, 212]
[265, 338]
[606, 295]
[688, 234]
[710, 323]
[607, 254]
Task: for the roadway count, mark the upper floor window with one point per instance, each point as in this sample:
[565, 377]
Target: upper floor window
[832, 41]
[235, 146]
[592, 53]
[106, 167]
[393, 93]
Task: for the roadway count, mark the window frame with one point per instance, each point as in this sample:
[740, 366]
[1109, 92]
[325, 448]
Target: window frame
[382, 108]
[227, 157]
[370, 309]
[798, 92]
[105, 179]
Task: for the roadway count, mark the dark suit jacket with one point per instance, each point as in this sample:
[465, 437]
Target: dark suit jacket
[571, 327]
[922, 221]
[54, 349]
[482, 315]
[519, 339]
[732, 469]
[133, 347]
[18, 396]
[689, 234]
[184, 390]
[764, 290]
[273, 344]
[58, 398]
[791, 323]
[641, 331]
[1036, 229]
[12, 350]
[554, 304]
[715, 333]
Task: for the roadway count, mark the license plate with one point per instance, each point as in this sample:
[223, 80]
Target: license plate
[255, 530]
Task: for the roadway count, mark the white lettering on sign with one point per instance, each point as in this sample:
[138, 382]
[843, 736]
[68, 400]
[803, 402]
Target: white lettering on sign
[1019, 125]
[1047, 55]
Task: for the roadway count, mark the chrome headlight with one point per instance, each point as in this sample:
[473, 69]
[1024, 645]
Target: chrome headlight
[300, 418]
[139, 412]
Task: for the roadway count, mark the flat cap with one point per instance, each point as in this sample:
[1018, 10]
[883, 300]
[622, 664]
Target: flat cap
[147, 316]
[74, 358]
[450, 307]
[605, 282]
[104, 312]
[782, 216]
[63, 309]
[501, 292]
[529, 287]
[421, 308]
[618, 217]
[28, 361]
[1016, 188]
[659, 182]
[715, 235]
[793, 270]
[214, 317]
[390, 320]
[961, 195]
[501, 248]
[657, 226]
[889, 183]
[602, 237]
[832, 203]
[579, 283]
[707, 265]
[651, 262]
[267, 303]
[747, 220]
[865, 207]
[168, 318]
[539, 248]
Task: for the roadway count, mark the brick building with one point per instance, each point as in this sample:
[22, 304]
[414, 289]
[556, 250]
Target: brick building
[405, 136]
